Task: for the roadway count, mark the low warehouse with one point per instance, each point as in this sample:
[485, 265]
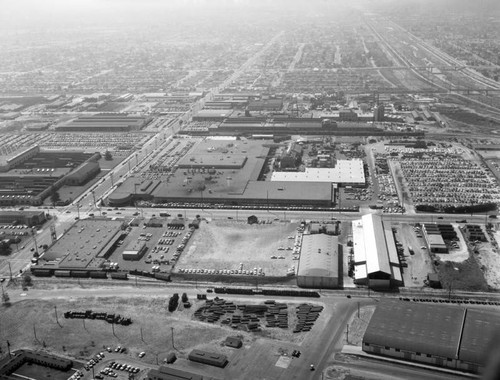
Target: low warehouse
[168, 373]
[134, 251]
[209, 358]
[446, 336]
[320, 262]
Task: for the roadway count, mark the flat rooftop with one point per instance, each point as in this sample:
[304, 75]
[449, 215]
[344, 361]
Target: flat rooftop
[213, 161]
[345, 171]
[83, 242]
[214, 113]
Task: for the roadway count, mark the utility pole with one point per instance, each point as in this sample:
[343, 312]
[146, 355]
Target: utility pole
[347, 334]
[10, 270]
[173, 346]
[142, 338]
[34, 332]
[57, 319]
[358, 309]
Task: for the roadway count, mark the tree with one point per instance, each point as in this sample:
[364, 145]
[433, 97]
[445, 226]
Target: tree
[5, 298]
[108, 156]
[27, 280]
[54, 196]
[5, 249]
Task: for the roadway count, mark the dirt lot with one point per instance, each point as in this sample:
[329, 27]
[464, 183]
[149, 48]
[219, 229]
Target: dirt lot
[32, 323]
[225, 244]
[357, 326]
[489, 261]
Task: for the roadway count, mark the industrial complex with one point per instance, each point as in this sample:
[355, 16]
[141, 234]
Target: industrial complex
[278, 189]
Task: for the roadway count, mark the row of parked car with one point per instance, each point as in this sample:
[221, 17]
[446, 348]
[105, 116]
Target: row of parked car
[123, 367]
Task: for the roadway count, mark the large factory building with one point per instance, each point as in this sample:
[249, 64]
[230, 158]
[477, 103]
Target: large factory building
[442, 335]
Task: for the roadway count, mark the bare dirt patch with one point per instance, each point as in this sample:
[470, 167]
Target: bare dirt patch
[489, 260]
[32, 323]
[358, 325]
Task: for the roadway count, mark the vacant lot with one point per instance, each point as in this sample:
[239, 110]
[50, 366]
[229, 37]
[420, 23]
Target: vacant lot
[32, 323]
[224, 245]
[488, 258]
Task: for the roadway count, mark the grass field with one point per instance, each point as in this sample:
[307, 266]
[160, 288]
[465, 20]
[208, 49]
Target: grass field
[226, 244]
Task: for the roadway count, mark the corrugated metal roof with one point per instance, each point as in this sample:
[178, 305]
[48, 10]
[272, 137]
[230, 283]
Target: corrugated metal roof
[435, 240]
[391, 246]
[319, 256]
[479, 329]
[358, 242]
[409, 326]
[377, 257]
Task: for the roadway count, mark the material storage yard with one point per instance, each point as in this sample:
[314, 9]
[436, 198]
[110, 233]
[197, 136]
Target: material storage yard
[155, 332]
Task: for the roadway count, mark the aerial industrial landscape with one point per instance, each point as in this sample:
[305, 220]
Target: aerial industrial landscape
[264, 189]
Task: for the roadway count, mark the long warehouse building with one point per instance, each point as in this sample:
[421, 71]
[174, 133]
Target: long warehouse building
[442, 335]
[376, 262]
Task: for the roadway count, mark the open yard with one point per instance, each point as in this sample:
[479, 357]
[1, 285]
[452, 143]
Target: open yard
[75, 338]
[33, 324]
[488, 258]
[223, 245]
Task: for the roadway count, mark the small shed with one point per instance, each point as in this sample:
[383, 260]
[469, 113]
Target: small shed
[195, 223]
[433, 279]
[234, 342]
[171, 358]
[315, 228]
[135, 222]
[176, 222]
[154, 222]
[252, 219]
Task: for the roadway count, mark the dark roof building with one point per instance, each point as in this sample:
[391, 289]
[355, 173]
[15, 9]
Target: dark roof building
[30, 218]
[234, 342]
[18, 358]
[448, 336]
[105, 123]
[209, 358]
[168, 373]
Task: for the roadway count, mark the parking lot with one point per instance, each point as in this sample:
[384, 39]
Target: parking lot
[441, 177]
[236, 248]
[164, 245]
